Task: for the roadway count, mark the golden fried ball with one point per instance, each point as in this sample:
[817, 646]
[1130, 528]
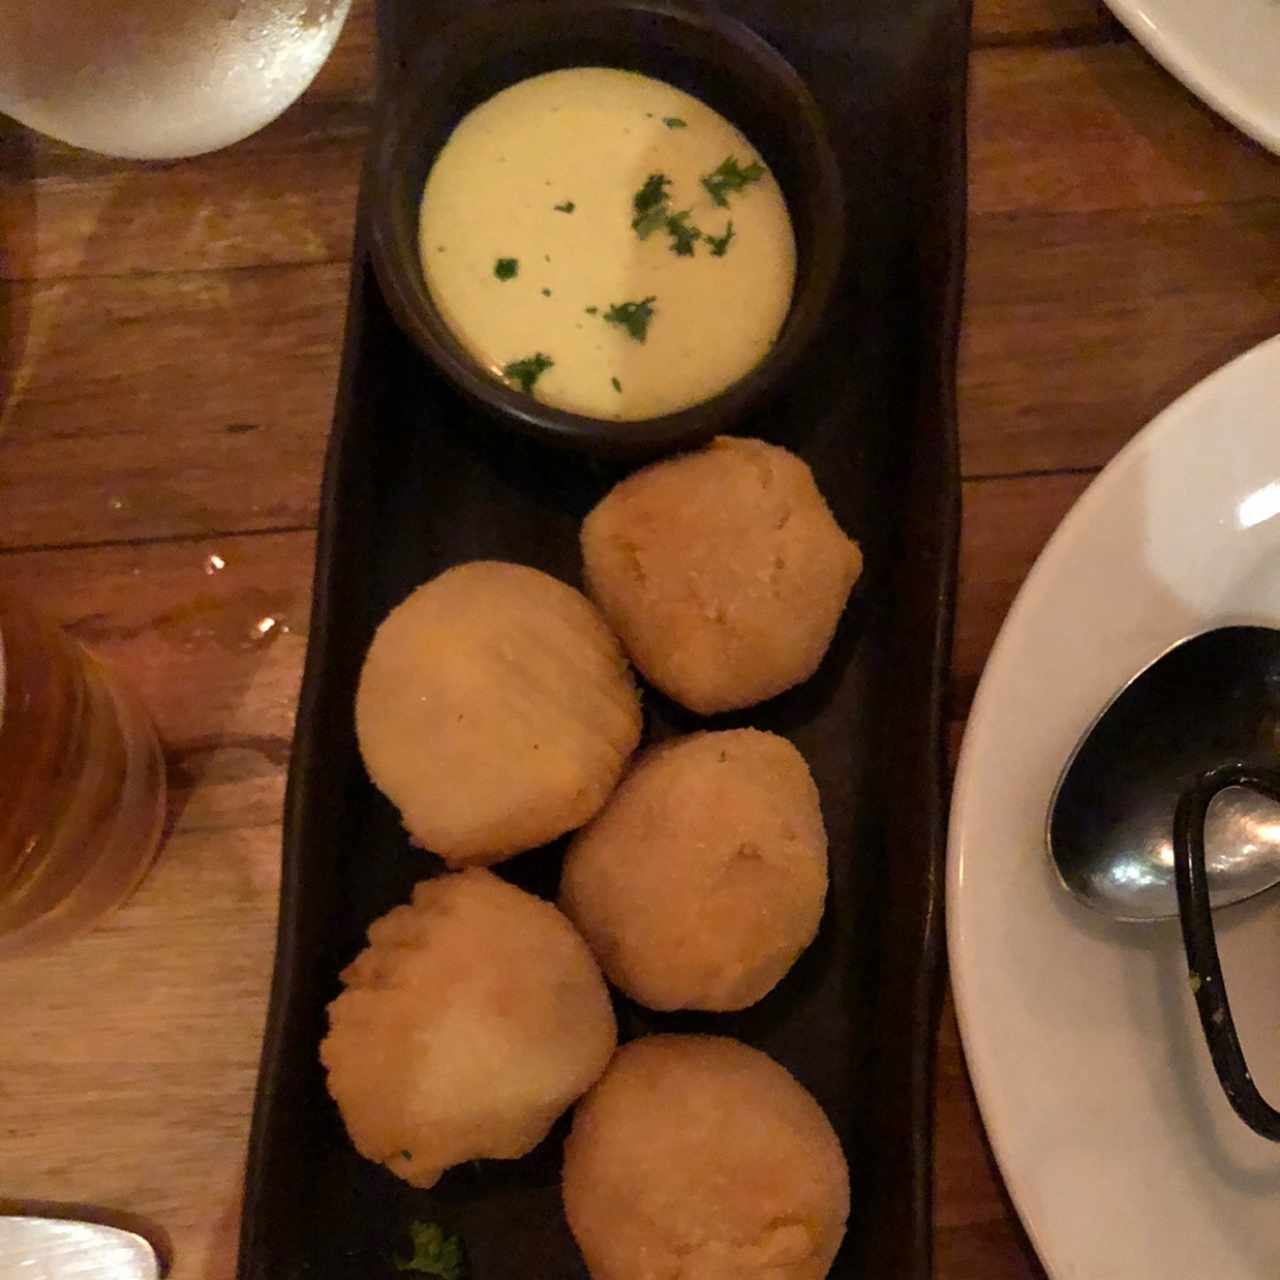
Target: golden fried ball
[473, 1019]
[702, 1158]
[703, 878]
[496, 710]
[723, 571]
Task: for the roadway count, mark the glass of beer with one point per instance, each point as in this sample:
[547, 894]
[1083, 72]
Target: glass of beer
[159, 79]
[82, 785]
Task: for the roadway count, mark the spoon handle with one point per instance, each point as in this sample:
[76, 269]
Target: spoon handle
[1201, 946]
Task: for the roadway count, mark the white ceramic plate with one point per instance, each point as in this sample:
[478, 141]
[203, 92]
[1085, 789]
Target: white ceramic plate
[1227, 52]
[1121, 1154]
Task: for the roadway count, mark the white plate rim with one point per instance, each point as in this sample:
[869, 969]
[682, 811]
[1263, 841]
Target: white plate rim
[1259, 120]
[965, 1002]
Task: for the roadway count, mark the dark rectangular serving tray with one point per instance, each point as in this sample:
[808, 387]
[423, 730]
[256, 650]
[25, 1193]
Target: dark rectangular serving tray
[417, 480]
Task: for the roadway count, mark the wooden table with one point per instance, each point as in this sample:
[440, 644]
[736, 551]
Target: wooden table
[169, 339]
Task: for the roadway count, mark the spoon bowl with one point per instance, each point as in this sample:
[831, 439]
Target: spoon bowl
[1211, 699]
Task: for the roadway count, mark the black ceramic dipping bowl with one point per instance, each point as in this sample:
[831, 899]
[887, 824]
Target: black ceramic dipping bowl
[713, 57]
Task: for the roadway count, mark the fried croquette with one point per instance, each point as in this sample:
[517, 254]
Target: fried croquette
[723, 571]
[473, 1019]
[703, 878]
[700, 1158]
[496, 711]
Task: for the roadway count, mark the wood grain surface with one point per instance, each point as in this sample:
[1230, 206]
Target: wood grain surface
[169, 343]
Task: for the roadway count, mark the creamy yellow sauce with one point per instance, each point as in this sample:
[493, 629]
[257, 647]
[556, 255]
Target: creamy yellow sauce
[587, 139]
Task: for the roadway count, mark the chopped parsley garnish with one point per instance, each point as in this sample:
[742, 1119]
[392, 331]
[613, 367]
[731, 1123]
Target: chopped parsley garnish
[652, 194]
[546, 293]
[674, 122]
[567, 207]
[506, 268]
[647, 225]
[720, 244]
[634, 317]
[650, 205]
[730, 176]
[527, 371]
[617, 386]
[591, 311]
[434, 1253]
[683, 235]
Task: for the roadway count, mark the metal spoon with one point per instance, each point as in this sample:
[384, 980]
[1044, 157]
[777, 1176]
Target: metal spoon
[1170, 805]
[62, 1249]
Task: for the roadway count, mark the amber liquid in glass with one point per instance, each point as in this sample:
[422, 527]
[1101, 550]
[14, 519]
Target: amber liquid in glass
[82, 785]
